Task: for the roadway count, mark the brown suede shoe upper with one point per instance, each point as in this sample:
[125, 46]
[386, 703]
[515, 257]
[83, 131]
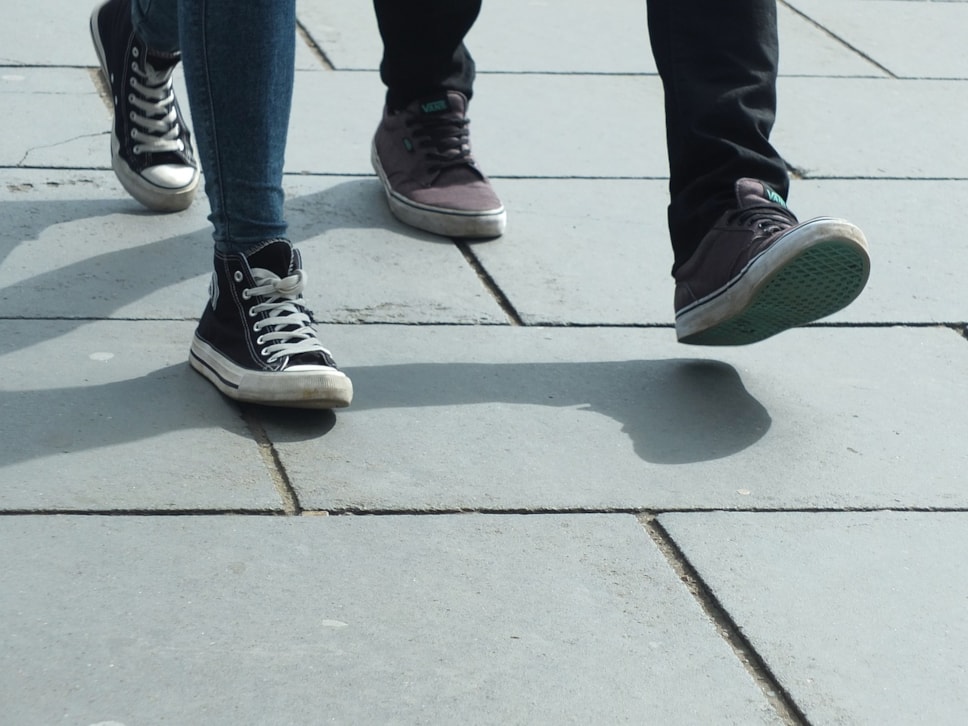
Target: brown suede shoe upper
[738, 237]
[426, 155]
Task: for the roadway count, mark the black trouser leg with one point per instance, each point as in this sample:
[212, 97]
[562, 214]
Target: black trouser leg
[423, 47]
[718, 63]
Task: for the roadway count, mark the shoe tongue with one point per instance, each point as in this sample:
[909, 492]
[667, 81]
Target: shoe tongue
[445, 103]
[160, 61]
[278, 257]
[754, 193]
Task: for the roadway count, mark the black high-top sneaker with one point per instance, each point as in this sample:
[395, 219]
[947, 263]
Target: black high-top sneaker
[151, 147]
[759, 271]
[256, 340]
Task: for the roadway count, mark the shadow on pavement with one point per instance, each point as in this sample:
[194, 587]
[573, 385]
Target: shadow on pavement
[56, 421]
[97, 286]
[674, 411]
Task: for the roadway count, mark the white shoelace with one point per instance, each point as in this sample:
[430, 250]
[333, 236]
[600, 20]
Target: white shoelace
[282, 295]
[157, 103]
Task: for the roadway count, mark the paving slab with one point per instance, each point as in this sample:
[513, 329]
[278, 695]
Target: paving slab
[824, 126]
[492, 418]
[53, 117]
[807, 50]
[572, 254]
[584, 39]
[344, 30]
[550, 133]
[75, 245]
[584, 251]
[911, 39]
[46, 33]
[334, 116]
[597, 252]
[556, 128]
[860, 616]
[814, 133]
[108, 416]
[308, 56]
[55, 33]
[365, 266]
[503, 38]
[871, 127]
[914, 265]
[402, 620]
[58, 118]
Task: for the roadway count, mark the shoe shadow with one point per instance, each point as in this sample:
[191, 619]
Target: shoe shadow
[354, 204]
[26, 217]
[57, 421]
[73, 284]
[674, 411]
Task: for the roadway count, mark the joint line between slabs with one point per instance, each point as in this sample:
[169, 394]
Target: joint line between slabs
[273, 464]
[490, 283]
[834, 36]
[316, 49]
[641, 514]
[778, 697]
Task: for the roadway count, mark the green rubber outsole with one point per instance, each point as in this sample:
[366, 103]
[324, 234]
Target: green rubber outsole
[817, 283]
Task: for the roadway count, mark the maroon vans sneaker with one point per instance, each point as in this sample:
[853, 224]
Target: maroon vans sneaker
[759, 272]
[422, 155]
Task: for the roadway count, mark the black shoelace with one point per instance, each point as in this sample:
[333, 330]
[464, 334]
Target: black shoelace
[445, 137]
[765, 220]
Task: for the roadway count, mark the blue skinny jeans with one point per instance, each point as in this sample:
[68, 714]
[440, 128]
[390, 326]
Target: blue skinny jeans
[239, 60]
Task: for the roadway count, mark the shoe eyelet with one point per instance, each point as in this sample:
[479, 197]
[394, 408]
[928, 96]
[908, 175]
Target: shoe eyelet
[131, 80]
[252, 314]
[260, 340]
[264, 352]
[135, 51]
[237, 276]
[136, 149]
[246, 294]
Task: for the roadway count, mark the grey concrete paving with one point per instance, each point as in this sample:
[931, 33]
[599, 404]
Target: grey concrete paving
[915, 278]
[45, 134]
[68, 253]
[908, 39]
[565, 260]
[568, 419]
[526, 143]
[860, 614]
[586, 39]
[119, 423]
[161, 540]
[828, 127]
[370, 620]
